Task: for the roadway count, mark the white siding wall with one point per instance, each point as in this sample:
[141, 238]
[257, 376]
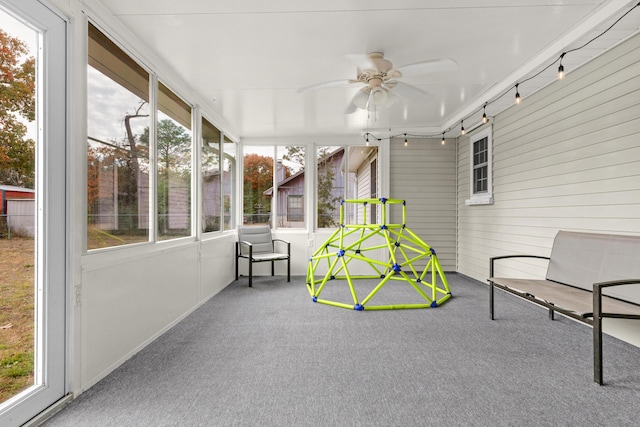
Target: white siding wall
[567, 158]
[424, 174]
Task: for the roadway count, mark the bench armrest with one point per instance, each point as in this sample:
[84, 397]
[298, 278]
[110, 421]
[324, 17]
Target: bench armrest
[493, 259]
[285, 242]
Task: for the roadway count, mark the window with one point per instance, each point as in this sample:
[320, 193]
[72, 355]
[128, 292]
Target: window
[229, 182]
[262, 175]
[173, 147]
[290, 184]
[211, 178]
[258, 184]
[480, 172]
[330, 185]
[295, 208]
[117, 146]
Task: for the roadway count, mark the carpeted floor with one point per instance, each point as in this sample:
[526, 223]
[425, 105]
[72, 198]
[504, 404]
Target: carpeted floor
[269, 356]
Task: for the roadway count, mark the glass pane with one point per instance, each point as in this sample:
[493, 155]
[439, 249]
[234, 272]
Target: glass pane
[258, 185]
[173, 147]
[290, 183]
[18, 136]
[211, 178]
[229, 182]
[330, 189]
[117, 146]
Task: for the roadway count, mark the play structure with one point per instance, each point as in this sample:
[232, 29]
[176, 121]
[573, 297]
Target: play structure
[350, 245]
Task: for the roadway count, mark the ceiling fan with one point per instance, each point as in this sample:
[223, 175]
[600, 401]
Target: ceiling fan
[382, 84]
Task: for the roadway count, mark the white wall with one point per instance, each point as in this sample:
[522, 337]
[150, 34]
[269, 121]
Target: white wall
[566, 158]
[424, 175]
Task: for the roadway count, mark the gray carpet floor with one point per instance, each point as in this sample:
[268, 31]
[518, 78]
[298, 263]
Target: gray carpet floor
[269, 356]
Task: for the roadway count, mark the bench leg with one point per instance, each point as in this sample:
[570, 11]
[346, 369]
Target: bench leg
[273, 270]
[491, 299]
[551, 314]
[597, 336]
[250, 273]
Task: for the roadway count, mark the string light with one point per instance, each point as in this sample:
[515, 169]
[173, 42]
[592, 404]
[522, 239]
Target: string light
[405, 140]
[518, 99]
[561, 68]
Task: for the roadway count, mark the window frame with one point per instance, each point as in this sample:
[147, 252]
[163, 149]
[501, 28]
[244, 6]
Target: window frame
[481, 197]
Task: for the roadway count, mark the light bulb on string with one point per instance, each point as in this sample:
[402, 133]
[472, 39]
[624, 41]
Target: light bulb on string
[518, 99]
[462, 131]
[561, 67]
[443, 141]
[405, 140]
[484, 113]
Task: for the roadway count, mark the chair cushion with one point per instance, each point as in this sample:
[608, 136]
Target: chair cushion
[259, 236]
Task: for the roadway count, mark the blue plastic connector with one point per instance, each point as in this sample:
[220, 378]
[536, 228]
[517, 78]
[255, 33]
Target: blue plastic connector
[433, 251]
[340, 253]
[397, 244]
[383, 200]
[332, 278]
[365, 203]
[357, 251]
[358, 307]
[419, 280]
[342, 202]
[396, 268]
[404, 202]
[314, 299]
[434, 304]
[383, 227]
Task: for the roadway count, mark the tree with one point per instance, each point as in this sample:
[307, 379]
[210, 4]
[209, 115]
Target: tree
[17, 99]
[258, 177]
[326, 199]
[173, 147]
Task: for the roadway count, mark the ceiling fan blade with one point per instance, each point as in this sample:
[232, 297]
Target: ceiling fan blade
[335, 83]
[428, 67]
[410, 92]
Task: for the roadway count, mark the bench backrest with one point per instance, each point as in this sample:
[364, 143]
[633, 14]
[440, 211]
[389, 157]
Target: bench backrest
[582, 259]
[259, 236]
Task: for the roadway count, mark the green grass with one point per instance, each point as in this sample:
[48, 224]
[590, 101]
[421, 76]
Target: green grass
[16, 316]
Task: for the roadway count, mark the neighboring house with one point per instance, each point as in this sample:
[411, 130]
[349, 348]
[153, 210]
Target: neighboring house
[359, 172]
[17, 209]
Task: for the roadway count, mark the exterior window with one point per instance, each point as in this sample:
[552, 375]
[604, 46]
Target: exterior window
[173, 147]
[211, 178]
[295, 208]
[258, 180]
[117, 146]
[290, 182]
[228, 182]
[330, 185]
[480, 172]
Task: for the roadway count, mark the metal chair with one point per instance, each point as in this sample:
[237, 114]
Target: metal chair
[256, 245]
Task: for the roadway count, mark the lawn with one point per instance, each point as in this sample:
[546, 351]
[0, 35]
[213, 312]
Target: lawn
[16, 316]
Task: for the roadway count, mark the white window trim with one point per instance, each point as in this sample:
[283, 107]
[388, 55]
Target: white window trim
[485, 198]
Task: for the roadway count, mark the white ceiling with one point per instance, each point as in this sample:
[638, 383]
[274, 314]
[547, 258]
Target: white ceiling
[249, 58]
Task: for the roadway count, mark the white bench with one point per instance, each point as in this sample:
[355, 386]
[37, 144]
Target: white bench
[587, 278]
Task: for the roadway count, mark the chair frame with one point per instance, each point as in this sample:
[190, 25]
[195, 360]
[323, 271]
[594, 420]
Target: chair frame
[251, 259]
